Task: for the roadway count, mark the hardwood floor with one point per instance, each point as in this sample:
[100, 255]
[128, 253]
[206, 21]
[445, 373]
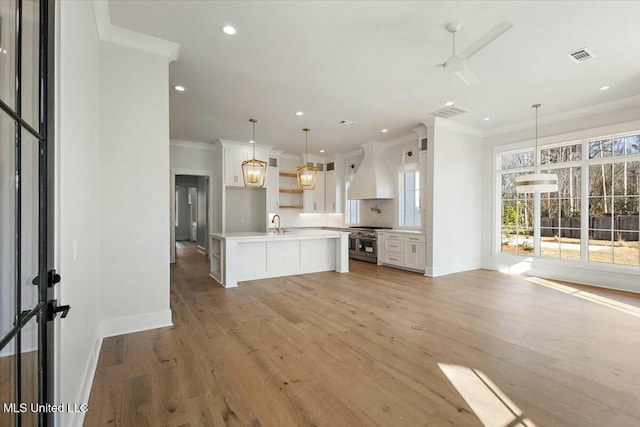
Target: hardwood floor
[364, 348]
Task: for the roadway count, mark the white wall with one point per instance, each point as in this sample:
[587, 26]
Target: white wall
[197, 158]
[134, 161]
[245, 208]
[456, 199]
[77, 210]
[554, 130]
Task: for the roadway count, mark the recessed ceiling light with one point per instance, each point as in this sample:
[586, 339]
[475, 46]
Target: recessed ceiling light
[178, 88]
[604, 88]
[449, 104]
[322, 151]
[229, 30]
[486, 119]
[251, 142]
[299, 113]
[384, 130]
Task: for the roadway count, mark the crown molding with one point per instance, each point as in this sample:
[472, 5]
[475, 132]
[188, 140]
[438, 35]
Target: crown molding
[192, 144]
[123, 37]
[229, 143]
[631, 101]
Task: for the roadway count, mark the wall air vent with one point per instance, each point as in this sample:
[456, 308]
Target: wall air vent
[581, 55]
[347, 123]
[448, 112]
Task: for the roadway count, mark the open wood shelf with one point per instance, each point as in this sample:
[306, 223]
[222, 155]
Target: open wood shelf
[289, 174]
[290, 190]
[290, 207]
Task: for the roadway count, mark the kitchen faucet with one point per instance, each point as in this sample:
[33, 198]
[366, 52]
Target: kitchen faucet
[273, 222]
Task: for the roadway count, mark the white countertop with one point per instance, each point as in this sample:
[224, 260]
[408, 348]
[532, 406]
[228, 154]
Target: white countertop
[401, 231]
[289, 235]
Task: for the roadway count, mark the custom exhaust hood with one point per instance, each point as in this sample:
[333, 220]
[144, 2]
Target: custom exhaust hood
[371, 180]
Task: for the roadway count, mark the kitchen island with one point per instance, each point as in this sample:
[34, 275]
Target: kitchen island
[236, 257]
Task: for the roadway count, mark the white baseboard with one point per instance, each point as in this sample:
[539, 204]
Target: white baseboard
[609, 276]
[108, 328]
[137, 323]
[76, 419]
[451, 269]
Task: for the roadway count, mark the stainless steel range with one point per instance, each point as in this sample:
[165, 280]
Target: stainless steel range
[362, 243]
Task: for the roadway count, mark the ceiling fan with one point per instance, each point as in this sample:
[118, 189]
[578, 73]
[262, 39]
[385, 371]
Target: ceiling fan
[457, 62]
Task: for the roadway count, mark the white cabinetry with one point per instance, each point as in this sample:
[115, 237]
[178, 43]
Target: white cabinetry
[313, 200]
[402, 249]
[330, 191]
[233, 158]
[234, 154]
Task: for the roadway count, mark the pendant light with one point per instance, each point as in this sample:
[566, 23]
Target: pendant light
[307, 174]
[254, 171]
[537, 182]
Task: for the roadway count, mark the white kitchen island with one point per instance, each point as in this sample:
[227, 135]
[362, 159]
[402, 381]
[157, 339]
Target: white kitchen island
[236, 257]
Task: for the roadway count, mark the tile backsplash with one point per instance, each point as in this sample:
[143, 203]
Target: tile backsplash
[377, 212]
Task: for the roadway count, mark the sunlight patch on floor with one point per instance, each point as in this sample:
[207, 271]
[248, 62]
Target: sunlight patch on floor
[488, 402]
[604, 301]
[518, 268]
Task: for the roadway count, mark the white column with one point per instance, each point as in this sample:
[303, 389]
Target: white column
[342, 253]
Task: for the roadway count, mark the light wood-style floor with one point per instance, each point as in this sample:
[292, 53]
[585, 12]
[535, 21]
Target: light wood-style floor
[364, 348]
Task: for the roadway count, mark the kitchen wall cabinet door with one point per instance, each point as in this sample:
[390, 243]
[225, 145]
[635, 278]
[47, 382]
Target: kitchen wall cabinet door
[330, 192]
[313, 200]
[233, 158]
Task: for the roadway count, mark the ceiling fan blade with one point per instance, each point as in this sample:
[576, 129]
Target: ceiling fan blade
[493, 34]
[467, 76]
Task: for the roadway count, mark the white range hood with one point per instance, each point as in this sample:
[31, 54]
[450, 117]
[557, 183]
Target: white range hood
[371, 180]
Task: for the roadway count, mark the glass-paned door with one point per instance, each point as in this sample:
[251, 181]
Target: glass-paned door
[26, 272]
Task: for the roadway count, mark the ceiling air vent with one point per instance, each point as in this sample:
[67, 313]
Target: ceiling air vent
[347, 123]
[581, 55]
[448, 112]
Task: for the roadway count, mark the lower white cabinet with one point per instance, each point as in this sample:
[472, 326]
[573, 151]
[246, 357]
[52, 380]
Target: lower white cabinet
[402, 249]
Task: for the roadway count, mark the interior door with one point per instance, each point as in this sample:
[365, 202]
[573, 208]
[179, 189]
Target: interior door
[27, 278]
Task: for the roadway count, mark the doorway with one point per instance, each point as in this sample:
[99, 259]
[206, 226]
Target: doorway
[27, 277]
[191, 209]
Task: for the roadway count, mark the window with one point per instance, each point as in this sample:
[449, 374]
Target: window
[409, 201]
[608, 169]
[353, 212]
[560, 215]
[517, 217]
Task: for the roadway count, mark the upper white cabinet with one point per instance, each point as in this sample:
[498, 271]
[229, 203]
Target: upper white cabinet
[236, 153]
[330, 191]
[313, 200]
[273, 184]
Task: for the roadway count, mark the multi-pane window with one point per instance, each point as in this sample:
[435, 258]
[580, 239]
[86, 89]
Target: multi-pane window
[560, 210]
[560, 215]
[608, 170]
[352, 214]
[409, 206]
[517, 217]
[516, 208]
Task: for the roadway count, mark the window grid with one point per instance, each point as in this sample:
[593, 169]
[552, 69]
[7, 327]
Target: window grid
[409, 200]
[600, 176]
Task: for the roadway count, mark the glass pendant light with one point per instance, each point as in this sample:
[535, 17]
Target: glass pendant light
[537, 182]
[307, 174]
[254, 171]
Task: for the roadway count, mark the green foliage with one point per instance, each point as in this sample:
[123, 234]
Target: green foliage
[526, 246]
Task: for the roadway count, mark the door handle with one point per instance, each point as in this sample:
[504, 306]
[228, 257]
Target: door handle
[54, 309]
